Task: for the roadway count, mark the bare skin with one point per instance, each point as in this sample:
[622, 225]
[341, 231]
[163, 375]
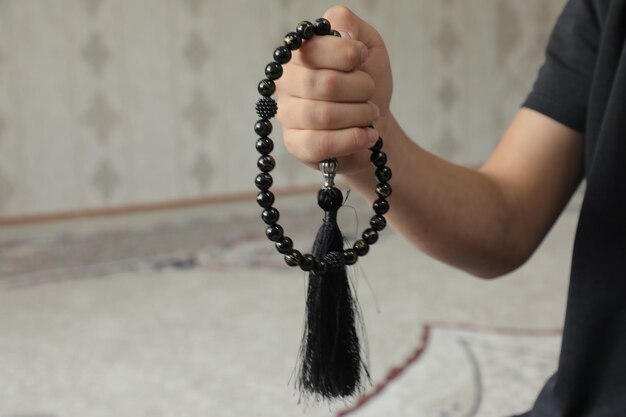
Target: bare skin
[486, 221]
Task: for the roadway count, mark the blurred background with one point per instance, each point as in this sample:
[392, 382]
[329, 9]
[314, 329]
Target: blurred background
[134, 275]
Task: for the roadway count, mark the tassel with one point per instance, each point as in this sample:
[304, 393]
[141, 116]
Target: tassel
[332, 364]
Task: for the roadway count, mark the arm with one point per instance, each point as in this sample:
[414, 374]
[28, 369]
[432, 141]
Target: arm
[486, 221]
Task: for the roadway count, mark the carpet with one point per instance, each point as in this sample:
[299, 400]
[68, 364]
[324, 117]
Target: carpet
[191, 313]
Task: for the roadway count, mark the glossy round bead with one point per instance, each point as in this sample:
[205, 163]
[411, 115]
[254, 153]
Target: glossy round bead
[383, 174]
[264, 145]
[263, 181]
[377, 146]
[263, 127]
[273, 70]
[335, 33]
[379, 159]
[294, 258]
[350, 256]
[361, 247]
[274, 232]
[266, 87]
[305, 30]
[284, 245]
[282, 54]
[370, 236]
[380, 206]
[383, 190]
[265, 199]
[266, 163]
[293, 41]
[378, 222]
[307, 263]
[321, 26]
[270, 216]
[320, 267]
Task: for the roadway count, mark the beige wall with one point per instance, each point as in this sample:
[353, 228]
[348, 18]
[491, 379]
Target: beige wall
[105, 103]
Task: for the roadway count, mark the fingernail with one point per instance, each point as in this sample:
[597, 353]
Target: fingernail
[373, 135]
[344, 34]
[364, 53]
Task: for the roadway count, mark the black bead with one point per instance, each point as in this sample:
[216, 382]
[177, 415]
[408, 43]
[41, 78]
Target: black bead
[266, 163]
[270, 216]
[266, 87]
[273, 70]
[305, 29]
[370, 236]
[284, 245]
[330, 198]
[321, 26]
[320, 268]
[294, 258]
[274, 232]
[381, 206]
[265, 199]
[383, 190]
[264, 145]
[293, 41]
[263, 127]
[335, 33]
[378, 145]
[378, 222]
[282, 54]
[379, 159]
[263, 181]
[361, 247]
[308, 262]
[383, 174]
[350, 256]
[266, 107]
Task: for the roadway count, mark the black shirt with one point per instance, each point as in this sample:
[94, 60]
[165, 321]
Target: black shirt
[583, 85]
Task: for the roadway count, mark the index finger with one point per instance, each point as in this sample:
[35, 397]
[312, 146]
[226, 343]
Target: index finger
[331, 52]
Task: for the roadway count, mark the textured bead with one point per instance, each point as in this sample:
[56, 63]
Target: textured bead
[379, 159]
[294, 258]
[307, 263]
[265, 199]
[266, 107]
[335, 261]
[321, 26]
[266, 87]
[361, 247]
[270, 216]
[383, 190]
[383, 174]
[370, 236]
[378, 222]
[305, 29]
[263, 181]
[273, 70]
[350, 256]
[282, 54]
[284, 245]
[263, 127]
[274, 232]
[266, 163]
[380, 206]
[264, 145]
[293, 41]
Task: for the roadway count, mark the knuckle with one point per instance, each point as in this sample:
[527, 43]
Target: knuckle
[325, 115]
[353, 56]
[327, 84]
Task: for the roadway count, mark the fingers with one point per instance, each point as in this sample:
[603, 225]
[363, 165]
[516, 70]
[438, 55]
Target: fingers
[312, 146]
[331, 52]
[325, 84]
[298, 113]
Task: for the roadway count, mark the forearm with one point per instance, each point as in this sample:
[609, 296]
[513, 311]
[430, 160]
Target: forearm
[455, 214]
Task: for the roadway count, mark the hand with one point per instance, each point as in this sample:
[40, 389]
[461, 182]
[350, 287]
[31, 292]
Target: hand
[332, 89]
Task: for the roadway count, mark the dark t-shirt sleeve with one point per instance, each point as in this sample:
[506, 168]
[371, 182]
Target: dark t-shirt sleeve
[561, 90]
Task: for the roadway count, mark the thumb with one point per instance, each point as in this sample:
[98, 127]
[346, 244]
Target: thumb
[348, 23]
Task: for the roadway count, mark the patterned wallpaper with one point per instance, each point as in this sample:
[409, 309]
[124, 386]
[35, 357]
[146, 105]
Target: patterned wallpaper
[106, 103]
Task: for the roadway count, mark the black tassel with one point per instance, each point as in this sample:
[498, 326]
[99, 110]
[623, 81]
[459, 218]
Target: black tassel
[332, 362]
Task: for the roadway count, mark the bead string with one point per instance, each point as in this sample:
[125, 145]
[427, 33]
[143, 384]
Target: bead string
[266, 108]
